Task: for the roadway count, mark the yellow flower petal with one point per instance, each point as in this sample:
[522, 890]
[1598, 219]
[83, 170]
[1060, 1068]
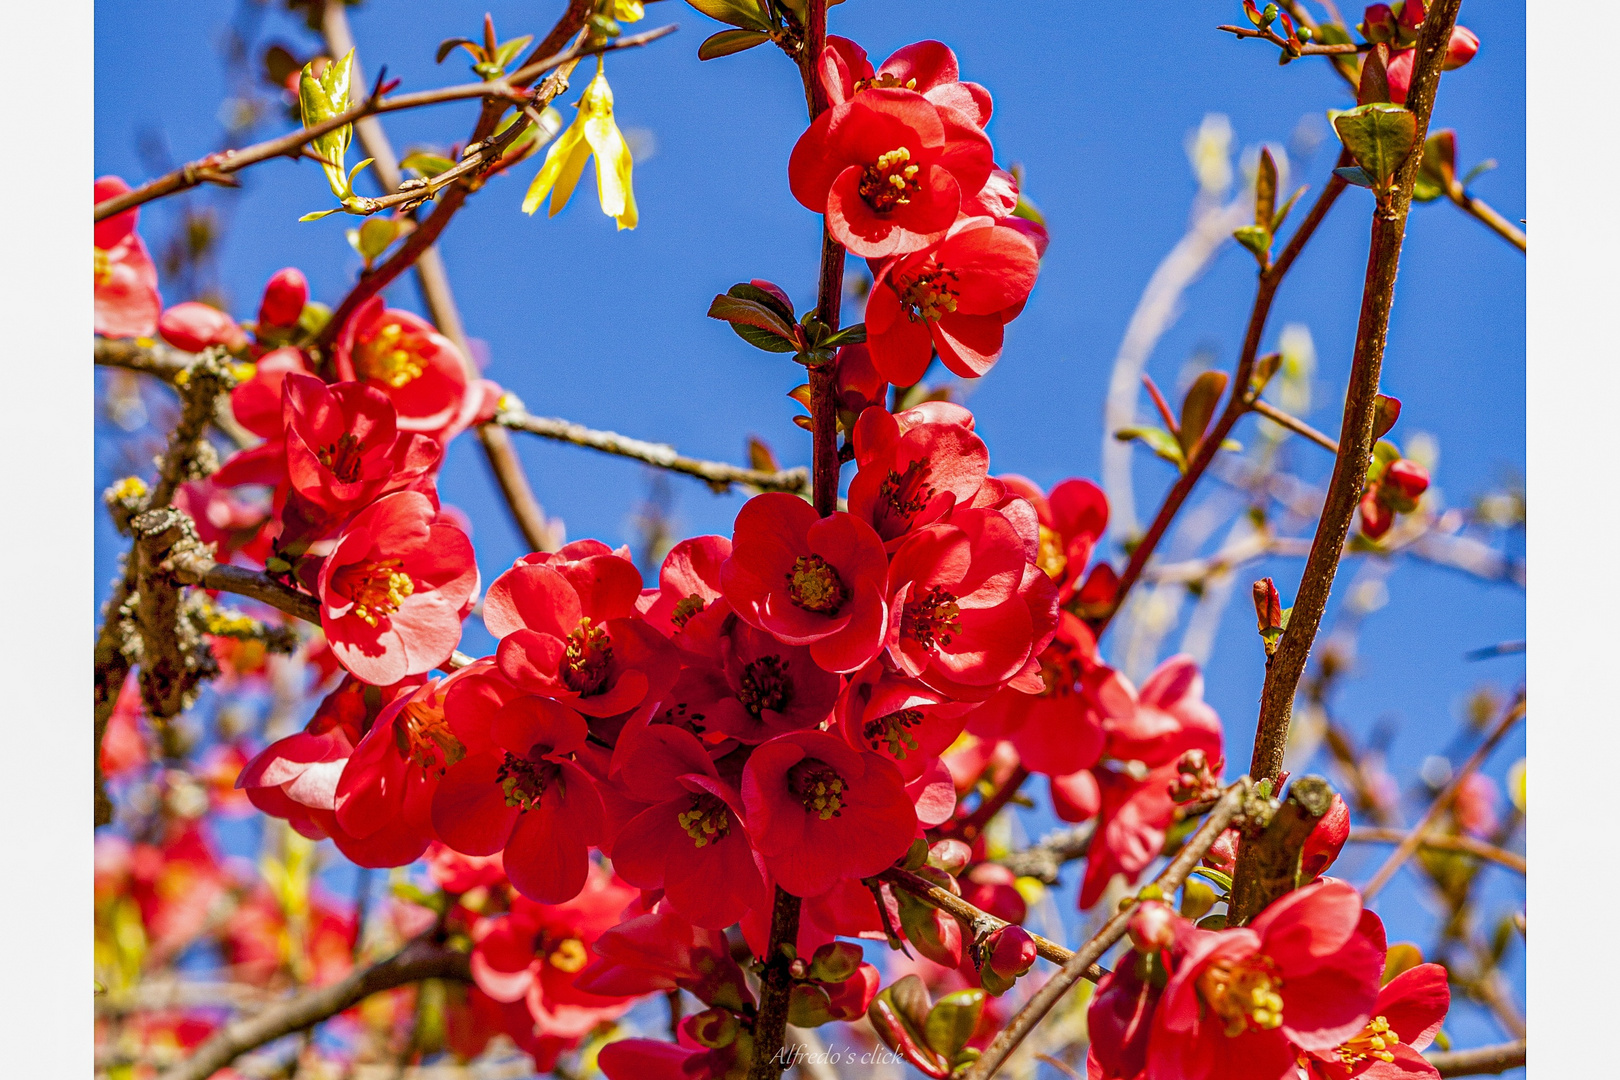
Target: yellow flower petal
[559, 157]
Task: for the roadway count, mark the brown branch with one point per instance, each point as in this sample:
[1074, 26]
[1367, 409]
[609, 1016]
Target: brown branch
[1237, 404]
[968, 828]
[1046, 998]
[1482, 211]
[717, 474]
[976, 922]
[1294, 424]
[217, 167]
[1303, 49]
[1442, 802]
[1287, 664]
[1277, 850]
[111, 671]
[1466, 845]
[417, 961]
[1044, 860]
[1485, 1060]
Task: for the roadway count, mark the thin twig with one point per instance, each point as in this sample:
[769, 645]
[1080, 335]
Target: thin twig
[417, 961]
[969, 827]
[1294, 424]
[1485, 1060]
[978, 923]
[1442, 802]
[1482, 211]
[1034, 1011]
[717, 474]
[1437, 842]
[1307, 48]
[215, 167]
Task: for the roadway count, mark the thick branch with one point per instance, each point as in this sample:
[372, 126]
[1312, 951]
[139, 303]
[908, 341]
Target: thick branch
[1466, 845]
[717, 474]
[1276, 851]
[1284, 668]
[1034, 1011]
[1485, 1060]
[1442, 802]
[417, 961]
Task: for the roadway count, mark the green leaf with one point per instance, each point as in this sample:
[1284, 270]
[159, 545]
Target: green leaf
[510, 49]
[448, 45]
[1386, 410]
[744, 13]
[910, 1000]
[1385, 453]
[727, 42]
[1257, 238]
[734, 310]
[375, 234]
[849, 335]
[952, 1021]
[1223, 880]
[1213, 922]
[1438, 168]
[1478, 170]
[1160, 441]
[316, 215]
[356, 171]
[1330, 33]
[1354, 175]
[1265, 189]
[1379, 136]
[1198, 407]
[1281, 215]
[744, 290]
[424, 163]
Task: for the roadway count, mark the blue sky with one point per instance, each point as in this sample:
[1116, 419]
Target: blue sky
[593, 325]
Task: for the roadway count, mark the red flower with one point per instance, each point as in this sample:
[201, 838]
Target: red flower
[1119, 1021]
[1153, 728]
[969, 613]
[127, 300]
[420, 370]
[344, 449]
[912, 474]
[954, 297]
[1409, 1011]
[1059, 730]
[535, 953]
[901, 719]
[660, 951]
[819, 811]
[928, 67]
[692, 842]
[569, 631]
[457, 873]
[1073, 518]
[193, 327]
[757, 686]
[688, 583]
[1244, 1002]
[889, 169]
[519, 789]
[394, 589]
[809, 580]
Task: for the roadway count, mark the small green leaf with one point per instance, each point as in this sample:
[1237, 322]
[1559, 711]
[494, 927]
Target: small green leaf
[1478, 170]
[356, 171]
[849, 335]
[727, 42]
[1354, 175]
[1265, 189]
[1378, 136]
[1281, 215]
[1219, 878]
[753, 313]
[375, 234]
[1198, 407]
[744, 13]
[1213, 922]
[510, 49]
[763, 339]
[1160, 441]
[448, 45]
[745, 290]
[316, 215]
[424, 163]
[952, 1021]
[1386, 410]
[1257, 238]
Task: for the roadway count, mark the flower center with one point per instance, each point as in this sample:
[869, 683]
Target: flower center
[103, 267]
[1051, 557]
[814, 585]
[766, 685]
[1373, 1042]
[343, 457]
[902, 495]
[524, 780]
[932, 619]
[929, 295]
[685, 609]
[1059, 671]
[707, 821]
[390, 357]
[585, 662]
[422, 735]
[884, 81]
[890, 732]
[890, 181]
[1243, 993]
[565, 954]
[376, 589]
[818, 786]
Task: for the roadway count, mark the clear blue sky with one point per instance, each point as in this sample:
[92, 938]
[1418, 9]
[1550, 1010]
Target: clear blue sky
[607, 328]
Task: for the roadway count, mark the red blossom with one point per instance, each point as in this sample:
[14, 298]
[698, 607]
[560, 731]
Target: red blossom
[1407, 1015]
[954, 297]
[912, 475]
[1326, 840]
[928, 67]
[660, 950]
[757, 687]
[808, 795]
[1057, 731]
[688, 583]
[1072, 519]
[809, 580]
[899, 718]
[285, 295]
[126, 292]
[889, 169]
[394, 589]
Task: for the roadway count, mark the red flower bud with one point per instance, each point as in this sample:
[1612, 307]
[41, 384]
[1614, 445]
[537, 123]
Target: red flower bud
[1407, 477]
[950, 856]
[1152, 926]
[193, 327]
[1460, 49]
[1412, 15]
[1222, 854]
[1378, 23]
[284, 298]
[1376, 518]
[1008, 953]
[989, 887]
[1325, 842]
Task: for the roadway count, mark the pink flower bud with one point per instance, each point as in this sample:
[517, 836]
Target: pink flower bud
[1152, 926]
[1460, 49]
[284, 298]
[1407, 477]
[1399, 72]
[193, 327]
[1222, 854]
[950, 856]
[1011, 951]
[1325, 842]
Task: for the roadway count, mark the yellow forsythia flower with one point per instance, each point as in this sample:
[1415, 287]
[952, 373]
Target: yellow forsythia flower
[628, 11]
[593, 132]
